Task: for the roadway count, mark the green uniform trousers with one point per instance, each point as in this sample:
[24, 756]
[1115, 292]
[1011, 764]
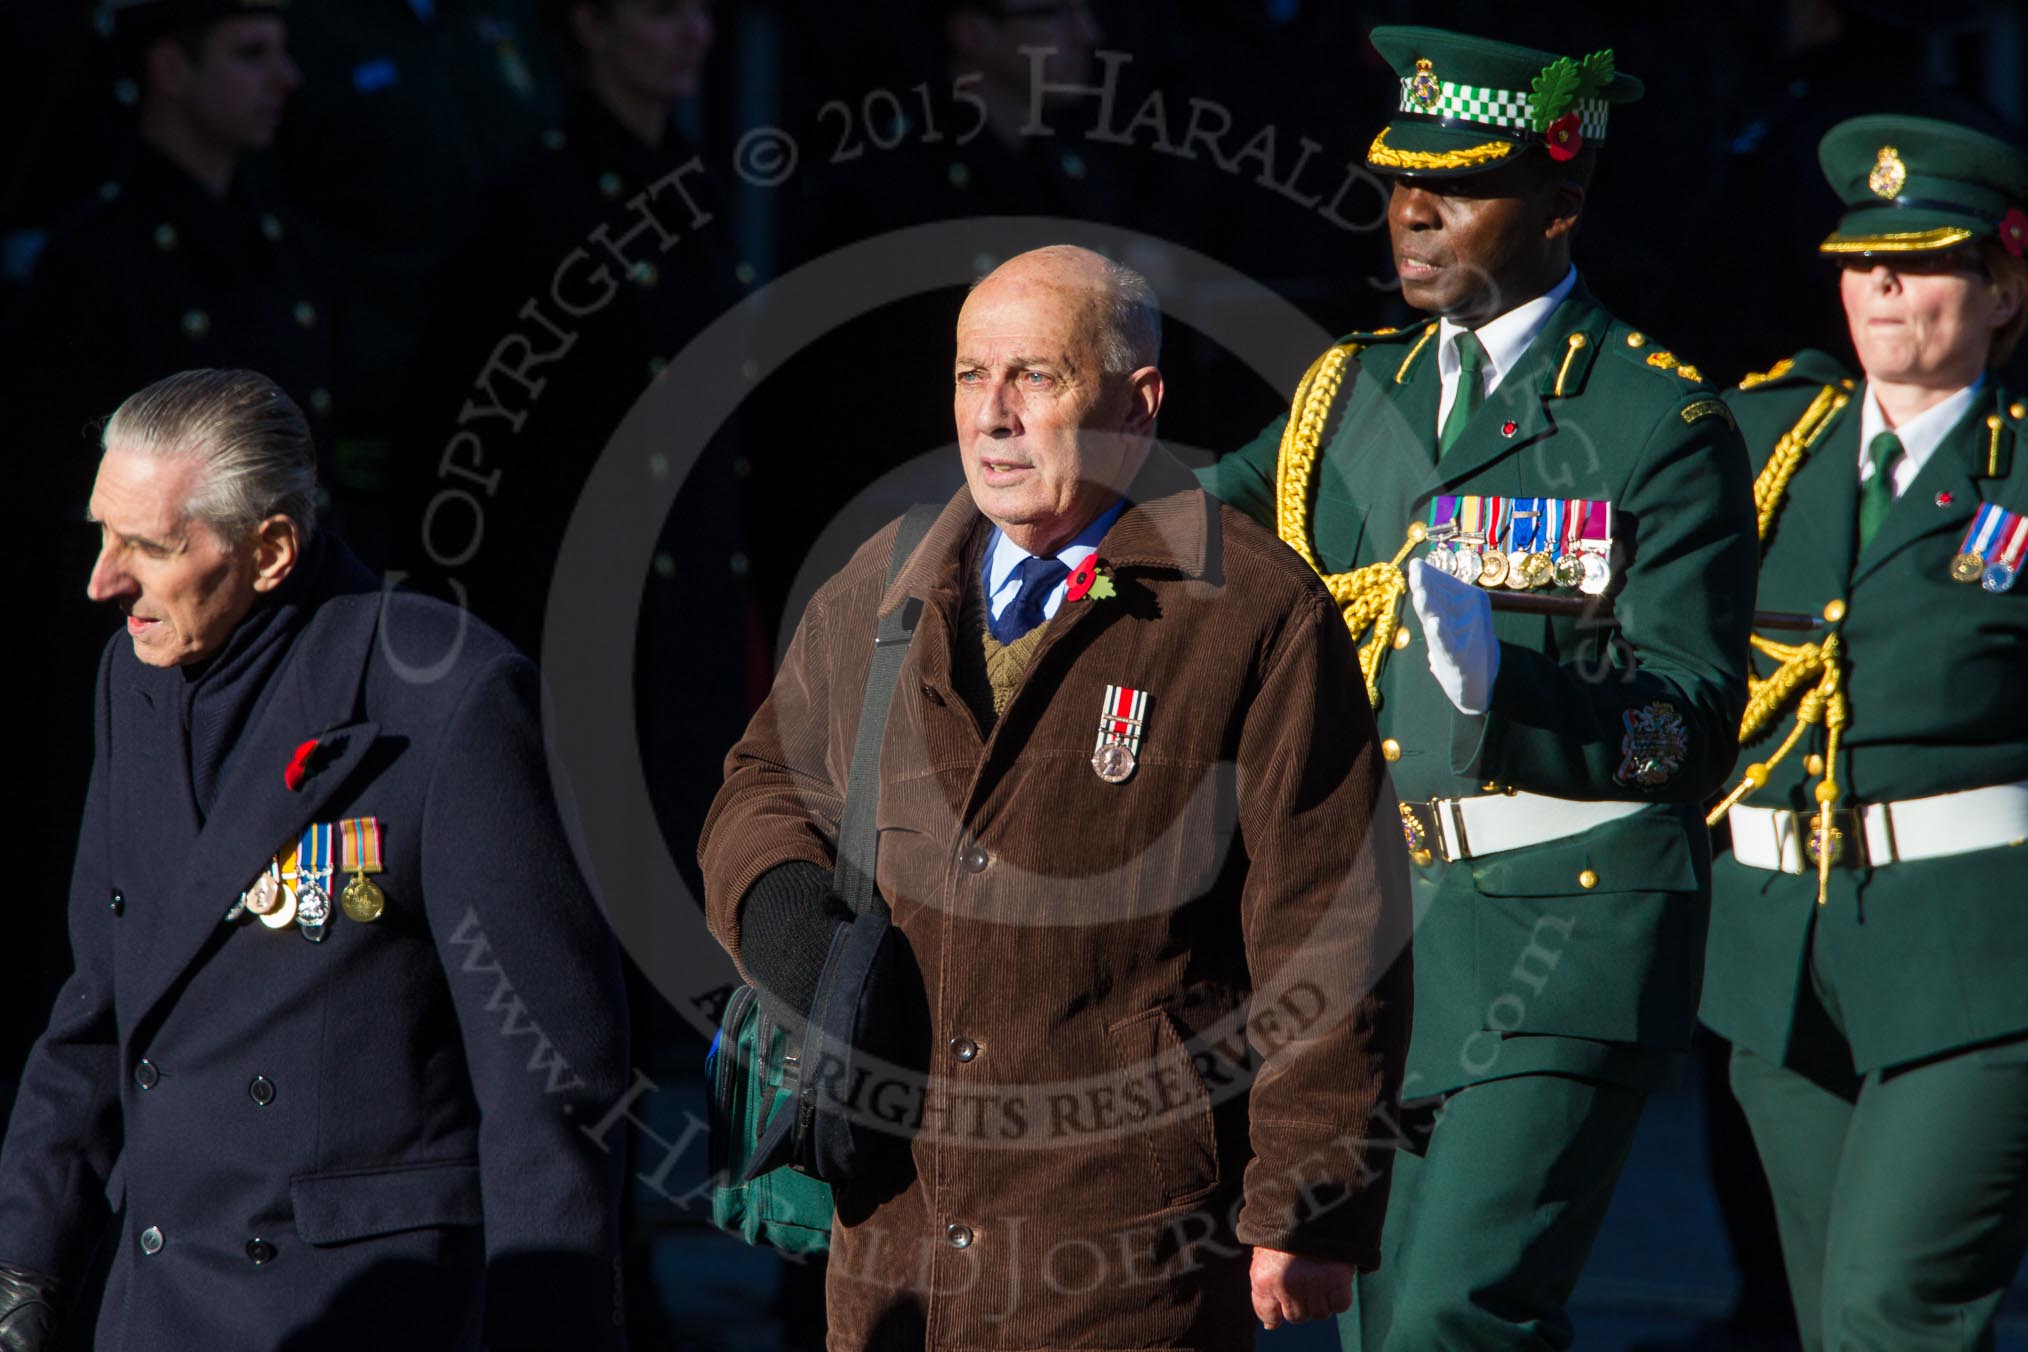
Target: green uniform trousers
[1493, 1212]
[1901, 1194]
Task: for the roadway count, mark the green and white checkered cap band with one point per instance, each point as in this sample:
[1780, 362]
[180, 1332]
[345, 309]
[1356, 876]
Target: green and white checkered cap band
[1497, 107]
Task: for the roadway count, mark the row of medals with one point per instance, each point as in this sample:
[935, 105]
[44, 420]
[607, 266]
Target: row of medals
[307, 904]
[1584, 571]
[1971, 566]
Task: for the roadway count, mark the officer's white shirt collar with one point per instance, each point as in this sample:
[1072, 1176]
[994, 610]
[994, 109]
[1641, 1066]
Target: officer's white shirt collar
[1003, 556]
[1920, 435]
[1505, 340]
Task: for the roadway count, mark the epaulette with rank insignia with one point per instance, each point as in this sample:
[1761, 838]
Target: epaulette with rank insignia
[1808, 367]
[1640, 350]
[1663, 360]
[1418, 336]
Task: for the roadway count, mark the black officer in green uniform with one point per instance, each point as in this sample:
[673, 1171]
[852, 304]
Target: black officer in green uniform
[1867, 964]
[1522, 444]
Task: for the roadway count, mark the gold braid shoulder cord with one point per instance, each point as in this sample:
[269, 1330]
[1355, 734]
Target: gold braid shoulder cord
[1369, 596]
[1824, 702]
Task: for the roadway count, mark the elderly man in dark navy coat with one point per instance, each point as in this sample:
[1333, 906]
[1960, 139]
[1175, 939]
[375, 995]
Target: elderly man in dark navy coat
[343, 1002]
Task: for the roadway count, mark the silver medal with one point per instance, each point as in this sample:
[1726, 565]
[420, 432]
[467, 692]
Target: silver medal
[1114, 762]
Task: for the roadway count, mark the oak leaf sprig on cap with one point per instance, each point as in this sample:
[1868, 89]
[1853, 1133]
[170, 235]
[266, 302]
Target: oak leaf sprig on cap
[1563, 82]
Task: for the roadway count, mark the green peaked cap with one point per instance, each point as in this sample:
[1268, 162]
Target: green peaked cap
[1916, 185]
[1470, 104]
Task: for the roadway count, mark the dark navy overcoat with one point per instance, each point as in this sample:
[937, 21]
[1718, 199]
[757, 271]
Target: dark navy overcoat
[375, 1141]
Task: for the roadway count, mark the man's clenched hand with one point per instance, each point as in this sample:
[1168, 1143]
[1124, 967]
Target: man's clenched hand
[1288, 1288]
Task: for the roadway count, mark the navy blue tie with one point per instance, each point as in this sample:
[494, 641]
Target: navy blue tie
[1039, 577]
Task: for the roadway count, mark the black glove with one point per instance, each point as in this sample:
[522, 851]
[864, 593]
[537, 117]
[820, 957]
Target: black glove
[27, 1310]
[785, 926]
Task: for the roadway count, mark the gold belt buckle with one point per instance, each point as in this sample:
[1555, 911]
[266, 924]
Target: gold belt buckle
[1425, 839]
[1848, 837]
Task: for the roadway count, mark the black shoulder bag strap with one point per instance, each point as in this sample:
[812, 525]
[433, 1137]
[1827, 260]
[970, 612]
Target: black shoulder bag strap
[853, 877]
[821, 1136]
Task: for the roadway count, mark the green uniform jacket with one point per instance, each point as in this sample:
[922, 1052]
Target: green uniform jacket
[1927, 955]
[1520, 966]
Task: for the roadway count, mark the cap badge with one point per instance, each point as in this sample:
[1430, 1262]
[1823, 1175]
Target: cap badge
[1424, 88]
[1889, 173]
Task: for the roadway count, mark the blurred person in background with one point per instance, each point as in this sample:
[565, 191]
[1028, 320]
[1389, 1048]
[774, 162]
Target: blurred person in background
[407, 108]
[618, 159]
[180, 259]
[623, 152]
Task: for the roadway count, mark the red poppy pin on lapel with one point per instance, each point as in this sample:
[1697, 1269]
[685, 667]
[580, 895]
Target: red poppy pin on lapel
[1090, 578]
[299, 765]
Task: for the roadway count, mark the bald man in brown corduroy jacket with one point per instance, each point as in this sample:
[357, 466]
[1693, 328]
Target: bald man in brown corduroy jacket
[1138, 838]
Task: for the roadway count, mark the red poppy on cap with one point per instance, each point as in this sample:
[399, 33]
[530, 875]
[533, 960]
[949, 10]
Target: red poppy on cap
[2014, 231]
[1565, 139]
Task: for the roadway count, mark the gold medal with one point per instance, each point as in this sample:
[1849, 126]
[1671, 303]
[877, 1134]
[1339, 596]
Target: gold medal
[362, 900]
[1967, 567]
[1494, 571]
[1570, 571]
[1517, 571]
[1541, 570]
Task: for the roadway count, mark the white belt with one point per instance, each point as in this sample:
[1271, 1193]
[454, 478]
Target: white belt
[1466, 828]
[1888, 833]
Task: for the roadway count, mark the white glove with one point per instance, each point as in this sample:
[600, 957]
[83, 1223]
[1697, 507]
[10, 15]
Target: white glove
[1457, 619]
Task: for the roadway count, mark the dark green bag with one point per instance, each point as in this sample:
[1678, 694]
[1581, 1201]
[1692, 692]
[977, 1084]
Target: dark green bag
[746, 1073]
[751, 1068]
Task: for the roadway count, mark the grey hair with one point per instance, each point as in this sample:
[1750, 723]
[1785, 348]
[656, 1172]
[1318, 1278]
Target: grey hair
[252, 441]
[1133, 317]
[1133, 336]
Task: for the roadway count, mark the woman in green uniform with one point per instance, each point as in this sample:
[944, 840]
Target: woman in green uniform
[1868, 955]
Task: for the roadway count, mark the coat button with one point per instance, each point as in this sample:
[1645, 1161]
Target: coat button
[1390, 750]
[1587, 880]
[118, 904]
[151, 1240]
[958, 1236]
[260, 1251]
[964, 1048]
[261, 1091]
[974, 859]
[146, 1075]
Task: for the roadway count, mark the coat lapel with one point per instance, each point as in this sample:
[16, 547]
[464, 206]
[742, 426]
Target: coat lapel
[1526, 393]
[1955, 469]
[256, 812]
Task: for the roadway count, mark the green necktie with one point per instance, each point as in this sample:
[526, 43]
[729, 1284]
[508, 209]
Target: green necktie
[1471, 392]
[1878, 494]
